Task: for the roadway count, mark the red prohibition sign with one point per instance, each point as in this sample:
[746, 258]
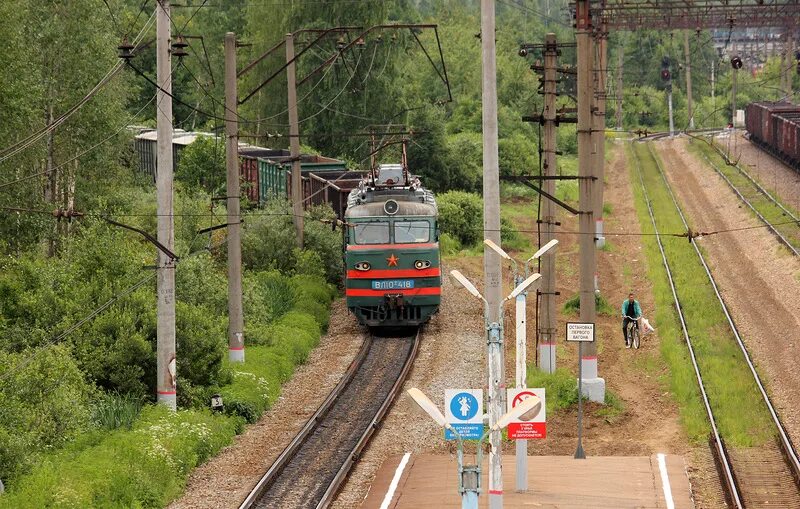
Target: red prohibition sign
[519, 398]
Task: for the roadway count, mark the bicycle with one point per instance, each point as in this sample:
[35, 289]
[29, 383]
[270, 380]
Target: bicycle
[633, 332]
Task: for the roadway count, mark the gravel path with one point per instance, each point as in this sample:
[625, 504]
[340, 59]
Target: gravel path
[226, 480]
[758, 279]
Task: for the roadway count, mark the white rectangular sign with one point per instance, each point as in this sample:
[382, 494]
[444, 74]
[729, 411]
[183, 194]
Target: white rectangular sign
[580, 331]
[532, 423]
[464, 411]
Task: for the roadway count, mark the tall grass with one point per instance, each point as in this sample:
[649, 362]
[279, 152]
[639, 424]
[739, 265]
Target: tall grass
[742, 420]
[114, 411]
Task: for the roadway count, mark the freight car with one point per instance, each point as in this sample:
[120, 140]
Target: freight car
[265, 173]
[392, 275]
[775, 126]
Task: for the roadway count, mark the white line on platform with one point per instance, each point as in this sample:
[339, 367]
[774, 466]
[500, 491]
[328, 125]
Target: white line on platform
[395, 481]
[662, 466]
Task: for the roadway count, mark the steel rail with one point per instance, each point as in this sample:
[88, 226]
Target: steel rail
[764, 220]
[785, 442]
[722, 454]
[318, 418]
[337, 482]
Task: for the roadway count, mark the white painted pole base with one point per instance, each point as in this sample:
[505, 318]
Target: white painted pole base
[522, 466]
[594, 387]
[236, 355]
[168, 400]
[495, 500]
[547, 357]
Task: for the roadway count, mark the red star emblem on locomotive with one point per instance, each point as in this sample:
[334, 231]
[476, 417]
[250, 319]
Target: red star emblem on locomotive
[392, 260]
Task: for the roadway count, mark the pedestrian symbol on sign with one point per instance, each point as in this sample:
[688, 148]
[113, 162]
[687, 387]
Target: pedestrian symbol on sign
[464, 406]
[464, 412]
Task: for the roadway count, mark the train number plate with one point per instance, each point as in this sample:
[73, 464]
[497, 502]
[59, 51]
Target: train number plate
[393, 284]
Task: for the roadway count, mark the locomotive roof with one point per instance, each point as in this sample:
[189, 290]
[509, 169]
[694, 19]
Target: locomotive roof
[405, 208]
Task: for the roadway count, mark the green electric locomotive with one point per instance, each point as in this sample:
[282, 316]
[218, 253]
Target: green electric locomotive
[392, 268]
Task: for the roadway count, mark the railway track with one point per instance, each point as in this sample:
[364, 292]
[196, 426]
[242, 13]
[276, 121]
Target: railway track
[756, 191]
[766, 476]
[312, 468]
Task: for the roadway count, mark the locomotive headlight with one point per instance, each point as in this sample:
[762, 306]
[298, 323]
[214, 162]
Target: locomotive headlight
[422, 264]
[363, 266]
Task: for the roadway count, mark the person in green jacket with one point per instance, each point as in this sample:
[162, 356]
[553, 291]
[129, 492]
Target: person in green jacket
[631, 311]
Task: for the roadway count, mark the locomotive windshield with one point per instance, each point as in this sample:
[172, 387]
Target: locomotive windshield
[371, 233]
[411, 232]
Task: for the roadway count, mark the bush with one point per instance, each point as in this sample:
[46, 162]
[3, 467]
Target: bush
[45, 405]
[461, 216]
[269, 243]
[112, 411]
[145, 467]
[602, 307]
[448, 244]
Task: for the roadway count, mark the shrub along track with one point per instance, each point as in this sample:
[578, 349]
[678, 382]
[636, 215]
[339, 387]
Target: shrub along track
[311, 469]
[782, 222]
[759, 466]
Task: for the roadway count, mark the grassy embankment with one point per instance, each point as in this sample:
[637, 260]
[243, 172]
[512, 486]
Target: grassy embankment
[760, 202]
[145, 460]
[742, 421]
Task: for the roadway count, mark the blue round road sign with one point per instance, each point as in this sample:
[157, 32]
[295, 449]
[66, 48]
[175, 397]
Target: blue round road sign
[464, 406]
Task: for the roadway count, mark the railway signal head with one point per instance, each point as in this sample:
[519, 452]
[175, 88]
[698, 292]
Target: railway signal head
[665, 75]
[736, 62]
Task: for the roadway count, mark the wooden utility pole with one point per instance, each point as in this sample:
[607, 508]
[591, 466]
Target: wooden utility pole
[598, 133]
[294, 141]
[235, 312]
[592, 385]
[547, 320]
[688, 68]
[165, 329]
[620, 59]
[491, 261]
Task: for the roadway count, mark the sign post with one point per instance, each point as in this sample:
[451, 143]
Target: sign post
[580, 332]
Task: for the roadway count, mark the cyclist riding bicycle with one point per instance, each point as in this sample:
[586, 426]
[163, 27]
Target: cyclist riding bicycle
[631, 312]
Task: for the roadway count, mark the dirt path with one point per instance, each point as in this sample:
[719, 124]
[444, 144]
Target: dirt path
[633, 376]
[758, 279]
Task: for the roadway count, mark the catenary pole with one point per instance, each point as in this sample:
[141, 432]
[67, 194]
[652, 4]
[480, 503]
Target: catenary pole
[235, 313]
[688, 68]
[547, 321]
[593, 387]
[165, 328]
[491, 261]
[294, 141]
[620, 59]
[598, 133]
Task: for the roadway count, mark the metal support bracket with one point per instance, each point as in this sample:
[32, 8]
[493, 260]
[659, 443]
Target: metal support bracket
[524, 180]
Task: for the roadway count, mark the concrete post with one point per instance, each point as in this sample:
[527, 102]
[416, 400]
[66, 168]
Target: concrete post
[294, 142]
[235, 312]
[491, 264]
[599, 135]
[593, 387]
[165, 329]
[547, 313]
